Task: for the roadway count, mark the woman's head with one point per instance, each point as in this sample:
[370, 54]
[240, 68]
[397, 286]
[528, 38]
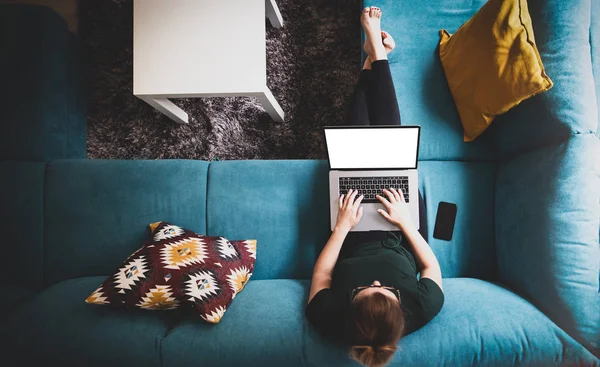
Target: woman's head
[375, 325]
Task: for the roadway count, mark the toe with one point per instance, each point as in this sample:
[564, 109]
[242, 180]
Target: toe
[384, 34]
[366, 10]
[372, 11]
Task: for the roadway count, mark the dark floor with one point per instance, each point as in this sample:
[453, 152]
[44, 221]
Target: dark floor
[312, 64]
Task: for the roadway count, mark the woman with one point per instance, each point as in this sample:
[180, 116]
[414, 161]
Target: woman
[364, 289]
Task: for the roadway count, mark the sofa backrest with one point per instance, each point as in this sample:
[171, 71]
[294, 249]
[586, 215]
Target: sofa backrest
[97, 212]
[75, 218]
[284, 205]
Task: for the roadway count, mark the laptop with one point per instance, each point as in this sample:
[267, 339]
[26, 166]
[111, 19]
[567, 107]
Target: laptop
[369, 159]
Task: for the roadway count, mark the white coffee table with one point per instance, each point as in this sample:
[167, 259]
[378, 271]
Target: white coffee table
[201, 48]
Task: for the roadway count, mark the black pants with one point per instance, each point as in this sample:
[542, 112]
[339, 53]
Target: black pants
[373, 101]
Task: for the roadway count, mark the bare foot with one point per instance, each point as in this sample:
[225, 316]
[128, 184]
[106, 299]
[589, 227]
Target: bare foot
[388, 44]
[371, 22]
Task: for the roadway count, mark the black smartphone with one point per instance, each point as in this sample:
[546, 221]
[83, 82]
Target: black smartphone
[444, 221]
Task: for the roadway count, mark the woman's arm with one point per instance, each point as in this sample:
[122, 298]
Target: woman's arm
[321, 277]
[398, 214]
[426, 260]
[349, 214]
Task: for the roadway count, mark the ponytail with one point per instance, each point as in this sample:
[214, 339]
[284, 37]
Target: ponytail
[373, 356]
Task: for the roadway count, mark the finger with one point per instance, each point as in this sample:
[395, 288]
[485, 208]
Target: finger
[389, 194]
[352, 197]
[341, 201]
[386, 203]
[396, 194]
[384, 214]
[360, 213]
[357, 202]
[401, 193]
[347, 198]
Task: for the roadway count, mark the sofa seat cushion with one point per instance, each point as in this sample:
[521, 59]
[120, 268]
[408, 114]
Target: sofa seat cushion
[469, 185]
[424, 97]
[22, 218]
[486, 324]
[265, 326]
[562, 35]
[58, 328]
[480, 324]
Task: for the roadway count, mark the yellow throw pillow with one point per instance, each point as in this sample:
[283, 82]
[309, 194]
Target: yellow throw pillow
[492, 64]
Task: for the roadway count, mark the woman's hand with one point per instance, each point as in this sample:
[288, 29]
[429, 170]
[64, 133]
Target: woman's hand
[349, 211]
[397, 210]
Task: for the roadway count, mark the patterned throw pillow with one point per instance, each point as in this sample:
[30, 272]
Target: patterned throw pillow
[179, 268]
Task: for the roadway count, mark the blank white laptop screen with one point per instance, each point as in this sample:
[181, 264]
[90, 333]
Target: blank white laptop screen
[372, 148]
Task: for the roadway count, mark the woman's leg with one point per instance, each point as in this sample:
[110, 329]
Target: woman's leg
[357, 113]
[381, 95]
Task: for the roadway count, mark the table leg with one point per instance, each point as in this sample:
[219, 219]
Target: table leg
[167, 107]
[273, 13]
[270, 104]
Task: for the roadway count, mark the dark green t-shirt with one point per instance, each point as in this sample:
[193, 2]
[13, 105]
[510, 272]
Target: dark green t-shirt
[391, 263]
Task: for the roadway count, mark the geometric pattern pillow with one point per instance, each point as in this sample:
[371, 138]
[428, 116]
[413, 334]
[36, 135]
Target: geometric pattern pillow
[180, 269]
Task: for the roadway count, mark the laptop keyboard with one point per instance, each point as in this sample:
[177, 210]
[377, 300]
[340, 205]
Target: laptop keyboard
[371, 186]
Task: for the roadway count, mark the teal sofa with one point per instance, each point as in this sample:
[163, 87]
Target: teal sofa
[42, 98]
[521, 274]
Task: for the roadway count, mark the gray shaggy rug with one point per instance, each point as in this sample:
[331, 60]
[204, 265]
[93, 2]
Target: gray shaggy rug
[312, 64]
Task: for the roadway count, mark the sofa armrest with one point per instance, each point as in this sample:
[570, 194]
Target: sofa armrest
[547, 233]
[41, 92]
[595, 49]
[562, 36]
